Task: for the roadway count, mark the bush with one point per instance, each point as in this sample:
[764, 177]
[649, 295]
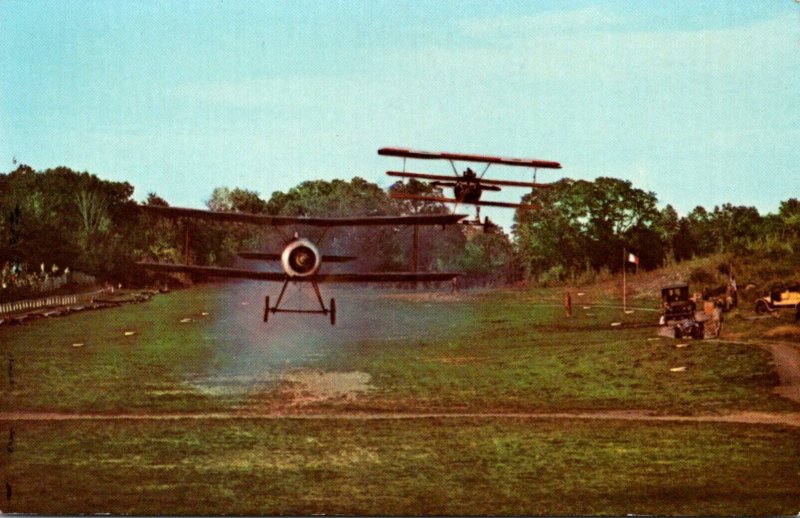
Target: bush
[702, 276]
[554, 275]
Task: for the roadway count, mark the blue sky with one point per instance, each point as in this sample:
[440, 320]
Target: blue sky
[696, 101]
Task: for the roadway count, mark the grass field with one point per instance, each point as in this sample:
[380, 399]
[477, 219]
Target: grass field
[451, 466]
[206, 350]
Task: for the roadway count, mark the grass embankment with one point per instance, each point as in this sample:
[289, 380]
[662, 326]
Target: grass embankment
[398, 467]
[511, 350]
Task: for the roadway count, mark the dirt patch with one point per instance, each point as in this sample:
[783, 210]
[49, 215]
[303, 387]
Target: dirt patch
[305, 387]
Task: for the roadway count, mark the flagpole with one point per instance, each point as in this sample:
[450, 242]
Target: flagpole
[624, 287]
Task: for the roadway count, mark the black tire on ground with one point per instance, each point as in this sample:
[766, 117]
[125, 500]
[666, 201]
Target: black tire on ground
[333, 312]
[266, 308]
[698, 332]
[678, 332]
[761, 307]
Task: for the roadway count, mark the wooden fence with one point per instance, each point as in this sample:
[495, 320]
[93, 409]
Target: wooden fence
[55, 300]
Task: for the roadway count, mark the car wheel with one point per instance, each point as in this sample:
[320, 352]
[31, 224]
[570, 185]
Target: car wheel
[698, 333]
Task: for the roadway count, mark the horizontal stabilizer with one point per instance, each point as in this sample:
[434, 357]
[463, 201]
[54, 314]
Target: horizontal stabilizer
[214, 271]
[263, 256]
[259, 255]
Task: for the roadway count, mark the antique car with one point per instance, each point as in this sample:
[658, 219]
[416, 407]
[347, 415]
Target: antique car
[678, 310]
[676, 303]
[780, 297]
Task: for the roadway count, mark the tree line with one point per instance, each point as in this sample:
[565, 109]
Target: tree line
[77, 220]
[582, 227]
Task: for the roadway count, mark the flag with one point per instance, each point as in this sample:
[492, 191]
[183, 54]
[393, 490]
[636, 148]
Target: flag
[633, 259]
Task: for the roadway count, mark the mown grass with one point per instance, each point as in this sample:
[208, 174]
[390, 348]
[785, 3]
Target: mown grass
[517, 354]
[402, 467]
[477, 352]
[86, 362]
[511, 350]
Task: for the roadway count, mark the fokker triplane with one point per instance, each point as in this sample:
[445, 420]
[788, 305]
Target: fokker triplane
[300, 259]
[467, 186]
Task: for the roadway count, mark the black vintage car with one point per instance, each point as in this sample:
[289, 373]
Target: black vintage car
[675, 302]
[678, 310]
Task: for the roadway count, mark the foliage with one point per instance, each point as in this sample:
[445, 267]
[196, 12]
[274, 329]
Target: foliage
[67, 218]
[586, 225]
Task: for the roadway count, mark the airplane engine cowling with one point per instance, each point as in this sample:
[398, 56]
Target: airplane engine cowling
[301, 258]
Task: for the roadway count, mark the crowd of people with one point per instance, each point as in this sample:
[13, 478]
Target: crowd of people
[15, 275]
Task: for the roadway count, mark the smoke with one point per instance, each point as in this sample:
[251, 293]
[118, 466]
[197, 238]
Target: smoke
[252, 356]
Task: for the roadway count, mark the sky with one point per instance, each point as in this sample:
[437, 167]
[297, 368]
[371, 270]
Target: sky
[696, 101]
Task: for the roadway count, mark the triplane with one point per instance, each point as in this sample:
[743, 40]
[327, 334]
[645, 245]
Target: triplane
[469, 186]
[300, 259]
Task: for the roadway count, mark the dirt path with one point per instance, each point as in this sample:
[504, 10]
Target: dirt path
[744, 417]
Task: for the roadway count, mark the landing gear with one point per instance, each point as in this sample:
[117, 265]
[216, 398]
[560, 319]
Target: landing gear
[331, 310]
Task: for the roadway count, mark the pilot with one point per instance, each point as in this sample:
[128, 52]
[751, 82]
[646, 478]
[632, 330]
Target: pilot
[469, 174]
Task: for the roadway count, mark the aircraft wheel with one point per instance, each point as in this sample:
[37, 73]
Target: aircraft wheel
[266, 308]
[333, 312]
[761, 307]
[678, 332]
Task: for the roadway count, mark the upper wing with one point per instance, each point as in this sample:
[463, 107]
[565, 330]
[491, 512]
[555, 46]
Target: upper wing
[486, 159]
[262, 219]
[214, 271]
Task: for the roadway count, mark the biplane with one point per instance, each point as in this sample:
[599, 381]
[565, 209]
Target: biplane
[469, 185]
[300, 259]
